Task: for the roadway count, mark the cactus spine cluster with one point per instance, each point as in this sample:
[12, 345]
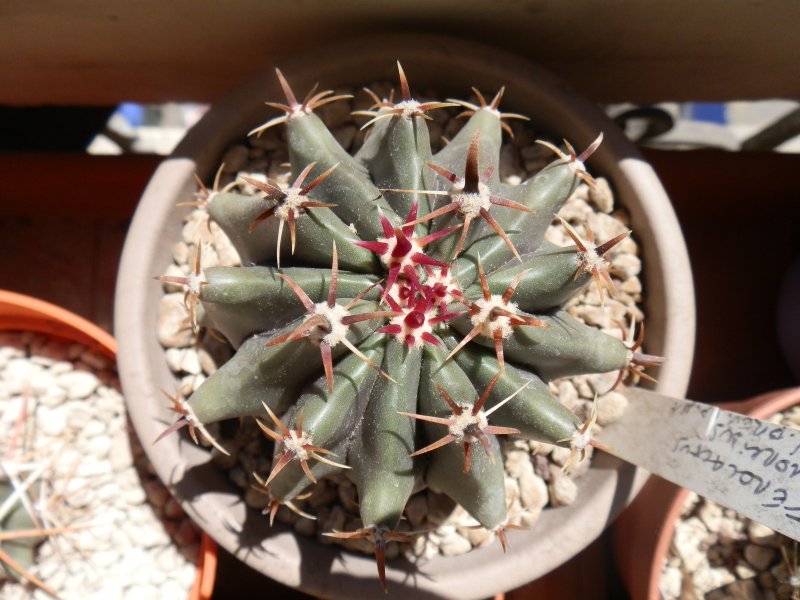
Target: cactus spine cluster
[421, 315]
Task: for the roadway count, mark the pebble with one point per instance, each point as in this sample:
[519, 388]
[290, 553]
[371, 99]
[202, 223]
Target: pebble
[190, 363]
[439, 507]
[174, 330]
[632, 286]
[627, 264]
[711, 515]
[78, 414]
[171, 589]
[706, 580]
[567, 394]
[94, 427]
[533, 491]
[601, 196]
[120, 455]
[541, 464]
[563, 491]
[610, 407]
[687, 542]
[671, 582]
[99, 446]
[529, 518]
[576, 210]
[180, 253]
[141, 592]
[206, 361]
[739, 590]
[759, 556]
[226, 253]
[54, 423]
[560, 455]
[134, 496]
[744, 570]
[454, 544]
[416, 510]
[518, 463]
[762, 535]
[478, 536]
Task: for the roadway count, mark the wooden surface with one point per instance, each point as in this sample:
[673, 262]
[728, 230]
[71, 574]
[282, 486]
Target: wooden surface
[99, 52]
[63, 221]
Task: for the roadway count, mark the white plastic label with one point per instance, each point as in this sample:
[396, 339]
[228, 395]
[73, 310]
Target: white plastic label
[746, 464]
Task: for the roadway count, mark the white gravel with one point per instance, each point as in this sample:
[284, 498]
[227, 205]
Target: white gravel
[60, 407]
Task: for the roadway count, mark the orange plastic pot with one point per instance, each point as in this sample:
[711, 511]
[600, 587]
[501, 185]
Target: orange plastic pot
[24, 313]
[644, 531]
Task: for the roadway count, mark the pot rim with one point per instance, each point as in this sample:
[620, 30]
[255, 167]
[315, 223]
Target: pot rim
[444, 60]
[19, 312]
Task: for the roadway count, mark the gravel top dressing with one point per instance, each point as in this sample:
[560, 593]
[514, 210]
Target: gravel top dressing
[66, 434]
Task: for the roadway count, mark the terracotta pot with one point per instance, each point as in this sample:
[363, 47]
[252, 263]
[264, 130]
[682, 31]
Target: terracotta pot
[450, 66]
[24, 313]
[203, 585]
[643, 533]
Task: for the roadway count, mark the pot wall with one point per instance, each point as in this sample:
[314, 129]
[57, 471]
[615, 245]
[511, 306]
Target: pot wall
[450, 66]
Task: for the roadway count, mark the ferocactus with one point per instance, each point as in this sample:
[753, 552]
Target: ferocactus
[422, 314]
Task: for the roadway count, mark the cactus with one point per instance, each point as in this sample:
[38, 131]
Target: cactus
[411, 314]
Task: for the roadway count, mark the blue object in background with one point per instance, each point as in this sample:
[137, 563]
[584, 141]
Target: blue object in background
[133, 113]
[710, 112]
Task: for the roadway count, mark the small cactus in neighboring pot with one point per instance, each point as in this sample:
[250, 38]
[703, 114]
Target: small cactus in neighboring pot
[411, 313]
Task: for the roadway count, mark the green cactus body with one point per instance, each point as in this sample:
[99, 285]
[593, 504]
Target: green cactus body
[236, 213]
[552, 276]
[364, 373]
[310, 141]
[381, 456]
[331, 417]
[544, 194]
[396, 154]
[240, 302]
[562, 348]
[22, 550]
[483, 129]
[535, 412]
[481, 489]
[259, 373]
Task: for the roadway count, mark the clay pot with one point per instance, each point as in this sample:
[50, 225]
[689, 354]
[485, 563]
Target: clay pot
[449, 66]
[24, 313]
[643, 533]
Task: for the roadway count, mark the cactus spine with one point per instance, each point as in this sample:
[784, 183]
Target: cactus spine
[412, 313]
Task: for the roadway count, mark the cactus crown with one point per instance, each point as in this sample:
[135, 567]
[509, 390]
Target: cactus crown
[420, 295]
